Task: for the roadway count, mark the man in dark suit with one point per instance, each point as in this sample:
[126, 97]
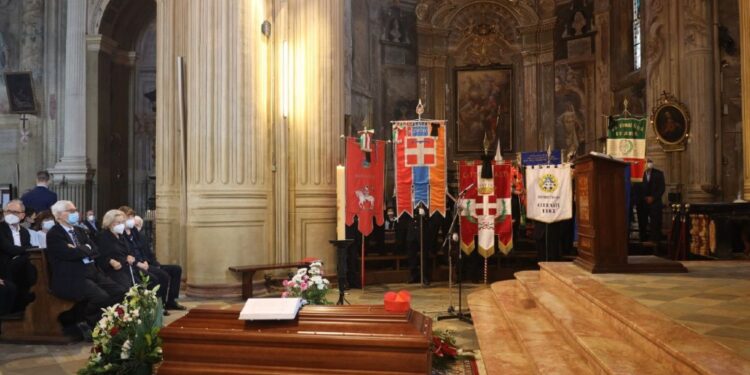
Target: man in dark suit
[14, 261]
[40, 198]
[75, 276]
[650, 204]
[173, 270]
[90, 224]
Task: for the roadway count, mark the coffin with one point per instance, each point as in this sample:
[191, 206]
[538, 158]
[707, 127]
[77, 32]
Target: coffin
[359, 339]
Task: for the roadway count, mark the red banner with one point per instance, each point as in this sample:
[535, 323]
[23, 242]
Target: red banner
[467, 171]
[364, 185]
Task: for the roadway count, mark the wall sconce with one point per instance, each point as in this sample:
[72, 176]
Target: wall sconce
[285, 79]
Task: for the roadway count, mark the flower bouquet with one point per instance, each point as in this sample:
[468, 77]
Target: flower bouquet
[126, 338]
[308, 284]
[444, 350]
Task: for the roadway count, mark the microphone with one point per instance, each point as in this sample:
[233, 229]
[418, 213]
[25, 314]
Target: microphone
[466, 190]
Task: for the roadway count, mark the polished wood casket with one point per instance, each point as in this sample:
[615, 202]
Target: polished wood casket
[360, 339]
[602, 220]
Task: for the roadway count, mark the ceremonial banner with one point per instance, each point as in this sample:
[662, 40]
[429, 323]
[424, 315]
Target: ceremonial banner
[549, 193]
[626, 139]
[419, 148]
[486, 208]
[541, 157]
[364, 184]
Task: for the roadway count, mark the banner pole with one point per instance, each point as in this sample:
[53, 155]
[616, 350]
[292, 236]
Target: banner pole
[421, 247]
[485, 271]
[362, 269]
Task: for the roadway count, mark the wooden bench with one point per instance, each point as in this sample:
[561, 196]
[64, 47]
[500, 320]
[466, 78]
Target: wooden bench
[39, 323]
[397, 258]
[249, 271]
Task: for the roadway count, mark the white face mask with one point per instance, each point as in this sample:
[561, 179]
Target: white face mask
[119, 228]
[12, 219]
[130, 223]
[92, 217]
[48, 224]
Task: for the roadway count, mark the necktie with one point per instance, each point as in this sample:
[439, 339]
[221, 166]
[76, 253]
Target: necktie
[74, 237]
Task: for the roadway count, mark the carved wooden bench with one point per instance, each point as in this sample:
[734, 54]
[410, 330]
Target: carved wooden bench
[39, 323]
[249, 271]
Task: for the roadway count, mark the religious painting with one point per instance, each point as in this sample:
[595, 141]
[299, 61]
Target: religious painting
[484, 103]
[671, 123]
[20, 92]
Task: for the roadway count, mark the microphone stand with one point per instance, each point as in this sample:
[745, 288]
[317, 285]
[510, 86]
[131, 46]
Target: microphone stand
[459, 314]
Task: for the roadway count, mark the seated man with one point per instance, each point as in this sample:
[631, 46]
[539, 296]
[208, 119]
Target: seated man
[173, 270]
[7, 296]
[14, 240]
[75, 275]
[141, 259]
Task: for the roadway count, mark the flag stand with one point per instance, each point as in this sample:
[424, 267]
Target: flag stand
[452, 312]
[420, 212]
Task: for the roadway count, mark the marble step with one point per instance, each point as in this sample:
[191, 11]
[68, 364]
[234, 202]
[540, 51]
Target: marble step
[502, 354]
[601, 343]
[541, 341]
[664, 340]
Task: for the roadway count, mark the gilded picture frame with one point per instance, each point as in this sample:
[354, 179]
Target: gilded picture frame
[670, 121]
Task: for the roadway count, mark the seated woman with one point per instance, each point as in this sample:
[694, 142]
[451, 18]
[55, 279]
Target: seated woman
[43, 222]
[115, 257]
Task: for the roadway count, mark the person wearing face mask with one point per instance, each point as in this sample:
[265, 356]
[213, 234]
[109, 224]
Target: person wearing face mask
[90, 225]
[14, 261]
[173, 270]
[42, 224]
[141, 253]
[75, 276]
[115, 257]
[650, 204]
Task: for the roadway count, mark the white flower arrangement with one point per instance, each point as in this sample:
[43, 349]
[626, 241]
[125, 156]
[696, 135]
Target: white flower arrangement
[309, 284]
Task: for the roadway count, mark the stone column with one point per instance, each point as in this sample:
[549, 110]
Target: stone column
[697, 92]
[745, 63]
[72, 174]
[229, 181]
[74, 163]
[316, 119]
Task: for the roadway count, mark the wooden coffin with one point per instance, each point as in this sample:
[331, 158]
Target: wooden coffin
[358, 339]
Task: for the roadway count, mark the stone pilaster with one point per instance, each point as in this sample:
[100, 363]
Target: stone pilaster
[697, 73]
[745, 61]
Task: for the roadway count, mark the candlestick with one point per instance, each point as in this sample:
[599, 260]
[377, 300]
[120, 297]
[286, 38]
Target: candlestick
[340, 202]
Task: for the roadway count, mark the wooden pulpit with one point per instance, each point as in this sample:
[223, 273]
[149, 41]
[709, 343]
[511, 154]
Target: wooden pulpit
[355, 339]
[602, 220]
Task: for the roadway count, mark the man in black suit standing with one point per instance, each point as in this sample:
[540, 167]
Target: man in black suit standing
[650, 204]
[40, 198]
[75, 276]
[15, 266]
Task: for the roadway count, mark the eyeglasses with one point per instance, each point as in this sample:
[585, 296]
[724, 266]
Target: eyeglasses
[14, 212]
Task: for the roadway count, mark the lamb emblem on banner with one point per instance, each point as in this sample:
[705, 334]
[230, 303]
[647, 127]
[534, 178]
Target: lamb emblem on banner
[364, 196]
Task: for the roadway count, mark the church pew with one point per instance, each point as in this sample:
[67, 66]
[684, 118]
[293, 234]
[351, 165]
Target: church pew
[248, 272]
[39, 323]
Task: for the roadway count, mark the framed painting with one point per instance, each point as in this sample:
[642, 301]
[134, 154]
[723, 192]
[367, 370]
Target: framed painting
[671, 123]
[20, 92]
[484, 105]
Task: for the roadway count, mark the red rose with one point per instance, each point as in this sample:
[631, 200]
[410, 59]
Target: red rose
[120, 311]
[113, 331]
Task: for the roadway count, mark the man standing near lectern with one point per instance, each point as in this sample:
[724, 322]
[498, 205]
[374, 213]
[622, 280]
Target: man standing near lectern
[650, 205]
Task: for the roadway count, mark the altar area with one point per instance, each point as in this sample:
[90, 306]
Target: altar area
[564, 319]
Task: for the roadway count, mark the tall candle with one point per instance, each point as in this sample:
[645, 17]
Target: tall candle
[340, 203]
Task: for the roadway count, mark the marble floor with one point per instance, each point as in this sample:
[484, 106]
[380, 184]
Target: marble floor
[712, 299]
[67, 359]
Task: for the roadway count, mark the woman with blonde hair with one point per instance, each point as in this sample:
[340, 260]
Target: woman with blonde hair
[115, 256]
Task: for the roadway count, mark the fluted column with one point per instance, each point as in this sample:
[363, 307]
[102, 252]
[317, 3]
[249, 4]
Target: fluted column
[228, 164]
[316, 44]
[170, 224]
[661, 61]
[697, 73]
[745, 66]
[73, 166]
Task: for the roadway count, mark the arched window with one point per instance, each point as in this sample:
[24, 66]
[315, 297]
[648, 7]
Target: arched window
[636, 34]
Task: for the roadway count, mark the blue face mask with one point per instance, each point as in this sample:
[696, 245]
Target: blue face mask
[73, 218]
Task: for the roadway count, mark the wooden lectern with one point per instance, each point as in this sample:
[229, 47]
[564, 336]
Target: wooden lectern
[602, 220]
